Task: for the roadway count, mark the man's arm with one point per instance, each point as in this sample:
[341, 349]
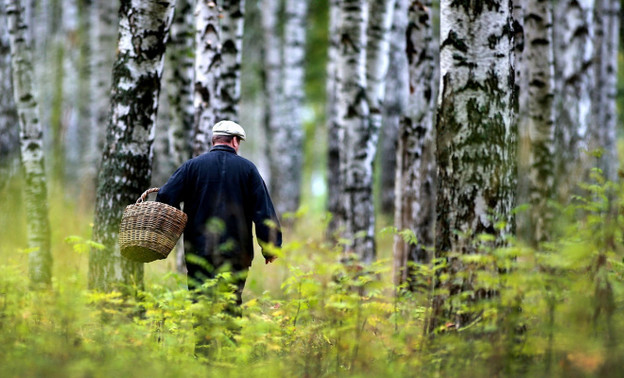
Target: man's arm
[172, 192]
[268, 229]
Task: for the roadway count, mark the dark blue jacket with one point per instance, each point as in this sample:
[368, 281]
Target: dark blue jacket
[222, 194]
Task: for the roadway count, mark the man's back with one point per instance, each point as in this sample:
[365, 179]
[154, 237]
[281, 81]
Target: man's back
[222, 194]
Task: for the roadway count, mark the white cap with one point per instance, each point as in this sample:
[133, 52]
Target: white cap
[228, 128]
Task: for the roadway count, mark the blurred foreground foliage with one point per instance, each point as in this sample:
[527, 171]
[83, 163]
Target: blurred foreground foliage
[552, 310]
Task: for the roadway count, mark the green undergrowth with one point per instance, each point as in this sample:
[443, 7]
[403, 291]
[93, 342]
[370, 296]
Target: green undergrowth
[554, 310]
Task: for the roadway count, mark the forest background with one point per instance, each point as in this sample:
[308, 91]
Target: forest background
[550, 308]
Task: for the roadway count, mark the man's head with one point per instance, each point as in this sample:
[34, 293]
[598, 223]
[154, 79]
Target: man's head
[228, 133]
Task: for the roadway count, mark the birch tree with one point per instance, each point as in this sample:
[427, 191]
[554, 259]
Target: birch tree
[31, 148]
[415, 173]
[9, 133]
[286, 155]
[363, 58]
[332, 122]
[377, 60]
[272, 88]
[103, 16]
[180, 83]
[207, 70]
[603, 133]
[395, 100]
[126, 163]
[55, 72]
[353, 123]
[521, 87]
[180, 62]
[475, 140]
[232, 23]
[84, 96]
[73, 92]
[574, 74]
[538, 124]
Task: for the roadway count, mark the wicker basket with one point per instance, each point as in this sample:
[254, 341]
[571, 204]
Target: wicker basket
[150, 230]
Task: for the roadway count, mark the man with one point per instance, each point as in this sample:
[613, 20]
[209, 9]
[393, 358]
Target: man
[223, 194]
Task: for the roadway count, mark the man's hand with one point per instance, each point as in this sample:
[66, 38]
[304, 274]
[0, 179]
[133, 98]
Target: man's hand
[269, 260]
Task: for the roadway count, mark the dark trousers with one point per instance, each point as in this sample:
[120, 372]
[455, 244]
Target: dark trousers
[198, 273]
[201, 270]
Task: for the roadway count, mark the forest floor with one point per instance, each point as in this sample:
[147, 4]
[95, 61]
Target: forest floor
[555, 309]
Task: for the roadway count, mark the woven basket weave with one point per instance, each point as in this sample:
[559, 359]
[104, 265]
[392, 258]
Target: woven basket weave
[150, 230]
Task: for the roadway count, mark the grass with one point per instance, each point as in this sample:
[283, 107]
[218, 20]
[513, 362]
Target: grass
[553, 310]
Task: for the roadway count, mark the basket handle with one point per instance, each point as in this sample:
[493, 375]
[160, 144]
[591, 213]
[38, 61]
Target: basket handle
[145, 194]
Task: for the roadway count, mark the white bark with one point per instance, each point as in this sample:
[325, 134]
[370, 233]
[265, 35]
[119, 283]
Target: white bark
[602, 136]
[331, 114]
[31, 147]
[415, 172]
[377, 58]
[272, 64]
[126, 164]
[395, 103]
[207, 88]
[476, 138]
[355, 135]
[180, 94]
[9, 131]
[103, 17]
[287, 141]
[180, 83]
[162, 164]
[71, 90]
[231, 56]
[538, 124]
[574, 77]
[41, 36]
[522, 101]
[474, 128]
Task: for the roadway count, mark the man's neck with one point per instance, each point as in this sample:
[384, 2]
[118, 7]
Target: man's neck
[227, 145]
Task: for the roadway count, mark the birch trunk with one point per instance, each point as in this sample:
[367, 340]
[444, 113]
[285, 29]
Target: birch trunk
[415, 173]
[71, 143]
[103, 17]
[207, 69]
[55, 71]
[41, 36]
[332, 122]
[377, 61]
[231, 54]
[162, 164]
[603, 134]
[524, 146]
[126, 164]
[84, 95]
[538, 124]
[180, 93]
[395, 100]
[9, 133]
[475, 141]
[272, 84]
[574, 75]
[31, 147]
[287, 141]
[180, 84]
[355, 134]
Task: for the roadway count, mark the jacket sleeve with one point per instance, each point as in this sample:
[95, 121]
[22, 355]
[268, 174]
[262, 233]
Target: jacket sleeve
[172, 193]
[268, 229]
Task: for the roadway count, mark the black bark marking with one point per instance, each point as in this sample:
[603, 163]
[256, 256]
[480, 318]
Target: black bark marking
[453, 40]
